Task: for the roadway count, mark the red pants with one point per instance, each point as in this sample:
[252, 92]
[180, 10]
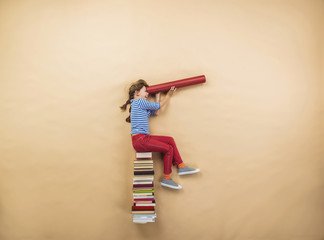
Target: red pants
[149, 143]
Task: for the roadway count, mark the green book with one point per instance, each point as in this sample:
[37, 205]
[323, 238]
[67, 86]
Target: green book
[151, 191]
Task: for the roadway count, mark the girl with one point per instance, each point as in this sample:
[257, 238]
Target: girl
[142, 141]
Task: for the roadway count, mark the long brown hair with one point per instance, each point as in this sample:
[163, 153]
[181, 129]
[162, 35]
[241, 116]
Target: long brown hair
[136, 86]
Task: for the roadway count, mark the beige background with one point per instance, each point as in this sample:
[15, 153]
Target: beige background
[255, 129]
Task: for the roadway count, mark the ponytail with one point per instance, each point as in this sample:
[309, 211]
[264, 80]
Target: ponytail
[124, 107]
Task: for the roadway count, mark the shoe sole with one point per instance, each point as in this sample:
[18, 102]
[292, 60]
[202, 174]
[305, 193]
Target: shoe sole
[191, 172]
[169, 186]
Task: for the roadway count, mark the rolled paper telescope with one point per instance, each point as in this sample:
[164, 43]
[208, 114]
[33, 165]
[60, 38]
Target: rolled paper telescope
[163, 87]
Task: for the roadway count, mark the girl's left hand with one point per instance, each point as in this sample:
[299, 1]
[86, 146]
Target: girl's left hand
[171, 91]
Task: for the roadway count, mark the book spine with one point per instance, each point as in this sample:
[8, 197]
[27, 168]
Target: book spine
[144, 173]
[144, 199]
[142, 185]
[134, 208]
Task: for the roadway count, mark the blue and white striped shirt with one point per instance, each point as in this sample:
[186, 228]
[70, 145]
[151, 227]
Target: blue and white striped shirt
[140, 114]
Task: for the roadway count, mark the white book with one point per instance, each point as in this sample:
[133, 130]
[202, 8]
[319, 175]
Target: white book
[142, 164]
[148, 196]
[135, 179]
[143, 155]
[142, 194]
[147, 168]
[143, 216]
[145, 161]
[143, 221]
[145, 204]
[142, 182]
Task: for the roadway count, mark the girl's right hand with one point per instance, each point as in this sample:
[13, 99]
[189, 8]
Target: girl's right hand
[157, 97]
[167, 97]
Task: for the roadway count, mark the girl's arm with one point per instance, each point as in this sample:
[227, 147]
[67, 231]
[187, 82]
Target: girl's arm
[157, 99]
[165, 100]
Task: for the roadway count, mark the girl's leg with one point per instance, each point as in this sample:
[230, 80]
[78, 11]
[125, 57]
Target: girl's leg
[169, 140]
[148, 143]
[182, 168]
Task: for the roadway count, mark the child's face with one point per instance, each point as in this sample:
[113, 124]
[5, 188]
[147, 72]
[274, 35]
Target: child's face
[142, 93]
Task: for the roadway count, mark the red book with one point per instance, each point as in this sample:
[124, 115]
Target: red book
[134, 208]
[142, 185]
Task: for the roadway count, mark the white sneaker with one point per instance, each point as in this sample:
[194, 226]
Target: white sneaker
[187, 170]
[170, 183]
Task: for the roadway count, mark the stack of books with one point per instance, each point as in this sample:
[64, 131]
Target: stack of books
[143, 209]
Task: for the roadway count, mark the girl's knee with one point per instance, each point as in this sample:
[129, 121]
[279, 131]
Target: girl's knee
[170, 139]
[170, 149]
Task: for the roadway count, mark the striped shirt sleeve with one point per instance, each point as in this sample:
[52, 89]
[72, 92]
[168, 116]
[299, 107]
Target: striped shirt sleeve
[144, 104]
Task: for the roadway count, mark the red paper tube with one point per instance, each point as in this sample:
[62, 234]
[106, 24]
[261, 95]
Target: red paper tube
[163, 87]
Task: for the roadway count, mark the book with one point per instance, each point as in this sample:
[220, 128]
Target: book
[139, 216]
[144, 188]
[152, 195]
[143, 172]
[149, 170]
[142, 185]
[143, 221]
[143, 182]
[143, 167]
[145, 155]
[142, 217]
[143, 212]
[144, 176]
[152, 191]
[146, 202]
[142, 194]
[145, 205]
[144, 179]
[143, 197]
[143, 161]
[134, 208]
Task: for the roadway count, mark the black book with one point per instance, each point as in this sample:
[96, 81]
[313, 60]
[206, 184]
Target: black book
[144, 173]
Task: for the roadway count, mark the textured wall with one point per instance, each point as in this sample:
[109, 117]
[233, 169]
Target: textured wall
[255, 129]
